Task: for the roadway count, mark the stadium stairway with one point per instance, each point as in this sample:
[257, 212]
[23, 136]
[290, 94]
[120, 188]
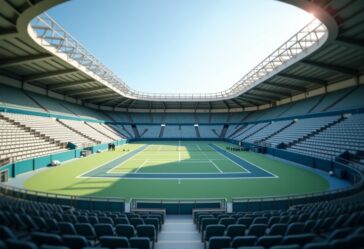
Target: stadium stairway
[197, 132]
[223, 131]
[179, 232]
[161, 132]
[135, 130]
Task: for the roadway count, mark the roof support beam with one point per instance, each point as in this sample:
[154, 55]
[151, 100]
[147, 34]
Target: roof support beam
[8, 62]
[101, 96]
[122, 102]
[286, 86]
[107, 101]
[350, 43]
[330, 67]
[131, 103]
[274, 92]
[8, 33]
[47, 75]
[69, 84]
[226, 104]
[303, 78]
[237, 103]
[257, 97]
[250, 101]
[81, 92]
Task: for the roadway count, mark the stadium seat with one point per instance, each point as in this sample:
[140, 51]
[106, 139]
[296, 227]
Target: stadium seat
[6, 233]
[213, 230]
[239, 241]
[245, 221]
[269, 240]
[207, 221]
[278, 229]
[291, 246]
[218, 242]
[136, 221]
[257, 229]
[295, 228]
[300, 239]
[227, 221]
[114, 242]
[86, 230]
[75, 241]
[18, 244]
[147, 231]
[40, 238]
[235, 230]
[317, 245]
[67, 228]
[121, 220]
[104, 229]
[106, 220]
[125, 230]
[153, 221]
[141, 243]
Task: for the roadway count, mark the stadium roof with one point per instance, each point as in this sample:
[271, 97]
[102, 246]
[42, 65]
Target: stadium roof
[43, 54]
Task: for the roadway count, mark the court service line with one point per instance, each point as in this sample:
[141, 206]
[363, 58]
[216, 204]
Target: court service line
[141, 166]
[216, 167]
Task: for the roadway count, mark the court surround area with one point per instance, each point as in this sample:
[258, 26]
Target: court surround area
[177, 169]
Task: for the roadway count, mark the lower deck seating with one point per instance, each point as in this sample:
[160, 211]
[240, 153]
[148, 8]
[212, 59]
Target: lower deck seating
[29, 224]
[328, 224]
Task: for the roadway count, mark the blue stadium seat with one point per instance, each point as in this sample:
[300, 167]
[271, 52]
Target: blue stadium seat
[41, 238]
[218, 242]
[104, 229]
[6, 233]
[278, 229]
[67, 228]
[114, 242]
[147, 231]
[295, 228]
[86, 230]
[269, 240]
[75, 241]
[257, 229]
[300, 239]
[141, 243]
[213, 230]
[239, 241]
[19, 244]
[235, 230]
[125, 230]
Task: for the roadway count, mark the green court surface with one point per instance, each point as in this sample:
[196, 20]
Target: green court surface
[165, 157]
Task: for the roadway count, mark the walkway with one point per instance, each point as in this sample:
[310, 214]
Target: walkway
[179, 232]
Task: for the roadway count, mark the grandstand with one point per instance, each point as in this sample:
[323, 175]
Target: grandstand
[275, 161]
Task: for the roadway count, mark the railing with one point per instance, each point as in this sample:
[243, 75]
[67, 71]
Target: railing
[52, 36]
[69, 200]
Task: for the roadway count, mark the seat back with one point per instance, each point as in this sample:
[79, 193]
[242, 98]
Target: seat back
[219, 242]
[125, 230]
[140, 243]
[104, 229]
[114, 242]
[75, 241]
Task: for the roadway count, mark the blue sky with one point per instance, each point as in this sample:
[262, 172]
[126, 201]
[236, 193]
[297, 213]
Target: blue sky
[184, 46]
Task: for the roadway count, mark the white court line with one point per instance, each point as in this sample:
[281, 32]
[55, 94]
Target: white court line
[110, 170]
[179, 151]
[198, 147]
[88, 171]
[141, 166]
[216, 167]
